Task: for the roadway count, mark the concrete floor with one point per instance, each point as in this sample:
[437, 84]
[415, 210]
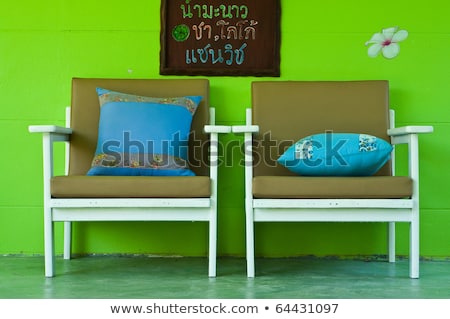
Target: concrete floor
[132, 277]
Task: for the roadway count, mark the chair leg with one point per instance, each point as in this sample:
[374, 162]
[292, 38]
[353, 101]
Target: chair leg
[212, 245]
[414, 249]
[49, 244]
[250, 238]
[67, 240]
[391, 242]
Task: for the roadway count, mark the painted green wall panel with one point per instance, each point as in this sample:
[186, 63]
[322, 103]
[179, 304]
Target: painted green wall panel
[162, 238]
[44, 45]
[123, 54]
[421, 89]
[31, 80]
[434, 230]
[29, 15]
[354, 16]
[110, 15]
[434, 171]
[230, 96]
[24, 233]
[320, 239]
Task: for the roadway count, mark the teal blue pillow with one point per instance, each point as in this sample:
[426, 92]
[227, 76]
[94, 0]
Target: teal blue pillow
[143, 136]
[337, 154]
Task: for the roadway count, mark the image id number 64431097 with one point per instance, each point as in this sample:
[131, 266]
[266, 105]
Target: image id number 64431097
[307, 308]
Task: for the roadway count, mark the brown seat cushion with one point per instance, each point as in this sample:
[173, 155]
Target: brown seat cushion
[130, 186]
[332, 187]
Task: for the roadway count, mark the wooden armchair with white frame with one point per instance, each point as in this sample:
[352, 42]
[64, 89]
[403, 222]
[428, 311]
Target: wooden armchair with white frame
[339, 164]
[105, 182]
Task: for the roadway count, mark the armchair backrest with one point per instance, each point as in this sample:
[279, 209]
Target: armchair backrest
[289, 110]
[85, 111]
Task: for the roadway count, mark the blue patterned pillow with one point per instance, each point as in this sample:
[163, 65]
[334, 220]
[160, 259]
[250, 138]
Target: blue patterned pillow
[141, 135]
[337, 154]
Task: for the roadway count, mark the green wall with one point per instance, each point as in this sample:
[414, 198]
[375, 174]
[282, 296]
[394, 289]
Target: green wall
[43, 44]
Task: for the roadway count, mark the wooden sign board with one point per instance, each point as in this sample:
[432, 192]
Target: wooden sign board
[220, 37]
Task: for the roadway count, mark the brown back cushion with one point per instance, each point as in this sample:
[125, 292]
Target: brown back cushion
[289, 110]
[85, 111]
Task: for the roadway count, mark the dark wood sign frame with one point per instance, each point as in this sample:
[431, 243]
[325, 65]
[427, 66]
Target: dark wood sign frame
[220, 37]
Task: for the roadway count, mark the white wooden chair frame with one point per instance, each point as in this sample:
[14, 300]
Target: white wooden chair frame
[69, 210]
[338, 210]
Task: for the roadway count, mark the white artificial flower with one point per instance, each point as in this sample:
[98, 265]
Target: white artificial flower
[386, 42]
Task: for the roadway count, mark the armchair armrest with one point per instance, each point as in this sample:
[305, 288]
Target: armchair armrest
[245, 128]
[409, 135]
[405, 134]
[55, 132]
[49, 129]
[217, 129]
[404, 130]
